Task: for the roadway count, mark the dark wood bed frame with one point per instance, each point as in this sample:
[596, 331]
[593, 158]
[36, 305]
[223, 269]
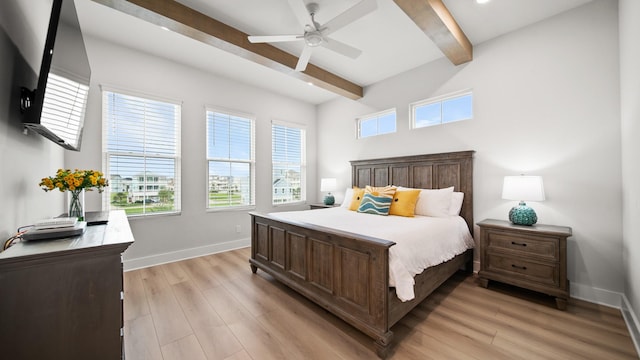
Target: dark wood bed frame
[348, 274]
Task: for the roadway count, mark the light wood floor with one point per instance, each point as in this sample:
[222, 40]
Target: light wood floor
[213, 307]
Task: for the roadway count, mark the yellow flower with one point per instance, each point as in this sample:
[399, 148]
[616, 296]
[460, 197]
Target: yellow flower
[74, 180]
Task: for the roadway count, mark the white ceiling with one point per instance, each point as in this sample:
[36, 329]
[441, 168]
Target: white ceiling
[390, 41]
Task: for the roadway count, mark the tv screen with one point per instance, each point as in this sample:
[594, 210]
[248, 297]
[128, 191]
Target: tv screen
[56, 108]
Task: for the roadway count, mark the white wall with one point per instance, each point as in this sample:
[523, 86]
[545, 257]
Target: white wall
[195, 231]
[630, 113]
[546, 102]
[24, 159]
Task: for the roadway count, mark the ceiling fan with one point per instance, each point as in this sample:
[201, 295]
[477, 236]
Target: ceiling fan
[317, 35]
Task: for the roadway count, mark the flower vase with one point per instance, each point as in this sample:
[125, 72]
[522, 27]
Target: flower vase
[76, 204]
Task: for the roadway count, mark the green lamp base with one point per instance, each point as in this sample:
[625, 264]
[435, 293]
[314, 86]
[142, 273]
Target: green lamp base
[522, 215]
[329, 200]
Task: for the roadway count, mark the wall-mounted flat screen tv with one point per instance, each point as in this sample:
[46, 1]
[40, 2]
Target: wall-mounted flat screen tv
[56, 108]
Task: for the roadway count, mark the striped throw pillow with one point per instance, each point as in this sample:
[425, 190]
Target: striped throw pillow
[378, 205]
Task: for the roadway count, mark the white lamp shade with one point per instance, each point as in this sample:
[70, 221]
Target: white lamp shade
[328, 184]
[524, 188]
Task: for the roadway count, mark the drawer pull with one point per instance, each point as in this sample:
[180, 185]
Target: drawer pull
[519, 267]
[519, 244]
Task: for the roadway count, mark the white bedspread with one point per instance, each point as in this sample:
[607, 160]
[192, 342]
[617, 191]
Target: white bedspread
[421, 241]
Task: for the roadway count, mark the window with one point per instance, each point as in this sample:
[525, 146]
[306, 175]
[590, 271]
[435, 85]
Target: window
[443, 109]
[230, 159]
[383, 122]
[141, 154]
[288, 163]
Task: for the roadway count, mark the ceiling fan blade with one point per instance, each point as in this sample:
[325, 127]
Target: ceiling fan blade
[275, 38]
[301, 12]
[303, 60]
[354, 13]
[341, 48]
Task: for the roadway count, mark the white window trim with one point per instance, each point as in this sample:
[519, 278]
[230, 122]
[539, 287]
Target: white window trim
[303, 165]
[252, 162]
[434, 100]
[378, 114]
[178, 157]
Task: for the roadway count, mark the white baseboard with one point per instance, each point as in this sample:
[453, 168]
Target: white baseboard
[143, 262]
[596, 295]
[631, 319]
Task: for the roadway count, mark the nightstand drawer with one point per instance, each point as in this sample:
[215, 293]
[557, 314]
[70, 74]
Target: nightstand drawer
[538, 247]
[517, 267]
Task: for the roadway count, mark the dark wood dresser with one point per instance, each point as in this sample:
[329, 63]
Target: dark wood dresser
[532, 257]
[62, 299]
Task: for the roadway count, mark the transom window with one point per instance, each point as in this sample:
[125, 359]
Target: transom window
[441, 110]
[230, 160]
[141, 154]
[383, 122]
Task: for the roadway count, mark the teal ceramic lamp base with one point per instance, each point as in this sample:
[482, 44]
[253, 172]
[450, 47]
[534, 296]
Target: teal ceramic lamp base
[329, 199]
[522, 215]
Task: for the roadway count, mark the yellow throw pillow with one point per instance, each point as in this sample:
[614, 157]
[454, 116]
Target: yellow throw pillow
[356, 199]
[404, 203]
[380, 190]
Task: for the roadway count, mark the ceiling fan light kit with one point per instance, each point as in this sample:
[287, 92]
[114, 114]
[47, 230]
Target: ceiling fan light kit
[315, 34]
[313, 38]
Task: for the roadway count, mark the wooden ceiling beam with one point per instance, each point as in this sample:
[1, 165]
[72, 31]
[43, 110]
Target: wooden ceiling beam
[433, 17]
[186, 21]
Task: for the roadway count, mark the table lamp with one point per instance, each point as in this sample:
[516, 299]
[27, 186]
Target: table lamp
[328, 185]
[523, 188]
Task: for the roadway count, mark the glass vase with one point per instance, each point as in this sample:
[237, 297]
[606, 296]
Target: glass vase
[76, 204]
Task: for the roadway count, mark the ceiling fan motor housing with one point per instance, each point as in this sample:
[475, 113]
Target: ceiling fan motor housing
[313, 38]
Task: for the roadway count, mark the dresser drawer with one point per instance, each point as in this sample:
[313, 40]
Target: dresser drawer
[515, 267]
[538, 246]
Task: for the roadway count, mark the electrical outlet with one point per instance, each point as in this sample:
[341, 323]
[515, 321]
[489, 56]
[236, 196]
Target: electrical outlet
[238, 228]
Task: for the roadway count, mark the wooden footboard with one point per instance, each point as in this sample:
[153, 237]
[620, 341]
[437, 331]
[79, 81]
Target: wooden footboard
[345, 273]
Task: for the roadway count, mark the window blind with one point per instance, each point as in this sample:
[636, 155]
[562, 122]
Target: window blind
[288, 163]
[141, 146]
[230, 160]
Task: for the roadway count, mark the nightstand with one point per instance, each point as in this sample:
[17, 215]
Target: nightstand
[322, 206]
[532, 257]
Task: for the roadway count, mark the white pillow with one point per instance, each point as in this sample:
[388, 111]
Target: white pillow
[456, 203]
[348, 195]
[434, 202]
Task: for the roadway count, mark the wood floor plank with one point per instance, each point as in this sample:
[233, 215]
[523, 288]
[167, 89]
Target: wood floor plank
[572, 343]
[588, 333]
[225, 305]
[174, 273]
[428, 346]
[216, 339]
[455, 334]
[185, 348]
[168, 318]
[241, 355]
[252, 296]
[136, 304]
[215, 307]
[140, 341]
[200, 272]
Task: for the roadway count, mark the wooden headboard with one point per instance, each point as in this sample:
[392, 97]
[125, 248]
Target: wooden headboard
[431, 171]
